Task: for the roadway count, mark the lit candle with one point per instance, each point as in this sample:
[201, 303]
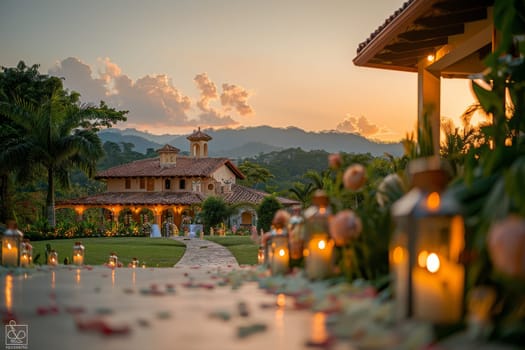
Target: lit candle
[399, 265]
[260, 256]
[24, 259]
[280, 260]
[78, 259]
[113, 260]
[52, 258]
[11, 244]
[438, 288]
[78, 254]
[134, 263]
[319, 257]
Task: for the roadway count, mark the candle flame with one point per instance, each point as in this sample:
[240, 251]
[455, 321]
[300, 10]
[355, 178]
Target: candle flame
[9, 246]
[398, 255]
[281, 252]
[422, 259]
[433, 201]
[321, 244]
[433, 262]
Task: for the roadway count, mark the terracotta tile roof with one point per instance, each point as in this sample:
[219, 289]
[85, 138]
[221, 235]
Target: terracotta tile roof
[379, 29]
[198, 135]
[168, 149]
[185, 167]
[137, 198]
[241, 194]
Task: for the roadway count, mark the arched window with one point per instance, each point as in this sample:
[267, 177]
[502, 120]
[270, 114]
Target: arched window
[167, 184]
[182, 184]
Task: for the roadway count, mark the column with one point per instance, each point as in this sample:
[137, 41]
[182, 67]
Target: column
[429, 99]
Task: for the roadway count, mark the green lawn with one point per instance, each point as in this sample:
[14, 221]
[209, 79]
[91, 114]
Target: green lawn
[155, 252]
[242, 247]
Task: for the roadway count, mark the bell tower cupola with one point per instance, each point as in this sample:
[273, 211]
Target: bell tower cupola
[199, 143]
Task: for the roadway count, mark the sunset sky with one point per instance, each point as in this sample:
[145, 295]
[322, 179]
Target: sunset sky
[180, 64]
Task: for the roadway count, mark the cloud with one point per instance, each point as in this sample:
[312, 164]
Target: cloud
[236, 97]
[359, 125]
[208, 91]
[151, 99]
[78, 77]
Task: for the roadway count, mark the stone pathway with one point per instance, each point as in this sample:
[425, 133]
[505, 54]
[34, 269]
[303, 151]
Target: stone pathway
[205, 254]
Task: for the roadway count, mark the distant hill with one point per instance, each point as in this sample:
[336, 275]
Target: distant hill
[141, 143]
[159, 139]
[248, 142]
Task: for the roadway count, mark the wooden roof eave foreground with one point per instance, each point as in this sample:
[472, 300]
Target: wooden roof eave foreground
[456, 32]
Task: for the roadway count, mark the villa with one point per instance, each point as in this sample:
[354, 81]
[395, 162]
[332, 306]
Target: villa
[172, 187]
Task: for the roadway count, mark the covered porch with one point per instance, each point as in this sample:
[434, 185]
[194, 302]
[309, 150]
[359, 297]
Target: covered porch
[434, 39]
[170, 211]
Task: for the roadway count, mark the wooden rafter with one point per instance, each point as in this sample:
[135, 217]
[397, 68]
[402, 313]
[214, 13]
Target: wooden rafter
[411, 46]
[452, 19]
[425, 34]
[387, 55]
[454, 5]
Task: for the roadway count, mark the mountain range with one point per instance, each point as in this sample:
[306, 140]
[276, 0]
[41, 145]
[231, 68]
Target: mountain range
[251, 141]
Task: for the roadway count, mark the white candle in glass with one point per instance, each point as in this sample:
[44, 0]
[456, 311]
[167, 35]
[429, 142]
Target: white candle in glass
[438, 289]
[280, 260]
[9, 252]
[78, 259]
[24, 259]
[52, 259]
[319, 257]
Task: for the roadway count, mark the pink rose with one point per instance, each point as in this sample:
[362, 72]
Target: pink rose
[344, 227]
[354, 177]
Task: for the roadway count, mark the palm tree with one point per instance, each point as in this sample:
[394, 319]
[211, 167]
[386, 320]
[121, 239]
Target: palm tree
[302, 192]
[59, 135]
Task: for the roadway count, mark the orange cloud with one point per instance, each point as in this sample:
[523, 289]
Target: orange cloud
[359, 125]
[236, 97]
[152, 99]
[208, 91]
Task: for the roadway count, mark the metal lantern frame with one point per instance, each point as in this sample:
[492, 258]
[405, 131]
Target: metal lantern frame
[316, 229]
[426, 250]
[12, 238]
[280, 247]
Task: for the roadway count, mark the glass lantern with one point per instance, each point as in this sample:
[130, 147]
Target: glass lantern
[26, 257]
[280, 252]
[134, 263]
[296, 236]
[11, 245]
[78, 254]
[260, 255]
[52, 258]
[113, 260]
[319, 246]
[425, 250]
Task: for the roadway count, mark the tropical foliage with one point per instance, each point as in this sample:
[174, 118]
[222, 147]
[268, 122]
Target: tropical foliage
[49, 132]
[214, 212]
[266, 211]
